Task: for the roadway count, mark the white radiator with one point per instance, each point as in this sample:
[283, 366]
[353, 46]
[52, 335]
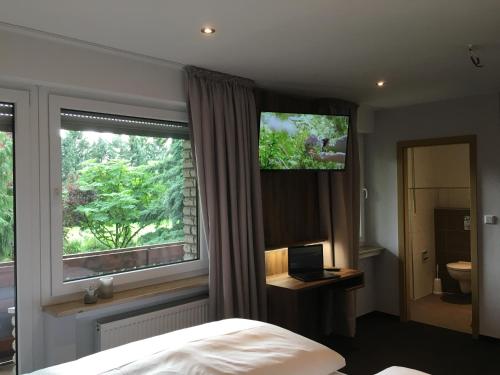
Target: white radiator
[122, 329]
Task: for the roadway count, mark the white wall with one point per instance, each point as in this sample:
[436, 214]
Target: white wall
[365, 297]
[50, 65]
[36, 59]
[365, 119]
[474, 115]
[440, 166]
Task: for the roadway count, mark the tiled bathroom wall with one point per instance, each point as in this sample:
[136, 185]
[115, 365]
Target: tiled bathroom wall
[438, 177]
[452, 242]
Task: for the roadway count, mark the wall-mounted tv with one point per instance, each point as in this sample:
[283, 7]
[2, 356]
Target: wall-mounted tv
[293, 141]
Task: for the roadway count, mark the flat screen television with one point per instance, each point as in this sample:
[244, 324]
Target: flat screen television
[294, 141]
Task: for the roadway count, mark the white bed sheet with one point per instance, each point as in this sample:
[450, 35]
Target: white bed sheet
[396, 370]
[231, 346]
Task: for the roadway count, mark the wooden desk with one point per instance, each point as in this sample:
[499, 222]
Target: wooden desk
[297, 305]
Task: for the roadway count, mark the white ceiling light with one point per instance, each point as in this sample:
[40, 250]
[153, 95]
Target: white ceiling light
[380, 83]
[208, 30]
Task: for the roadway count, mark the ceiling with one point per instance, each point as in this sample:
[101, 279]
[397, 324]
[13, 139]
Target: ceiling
[337, 48]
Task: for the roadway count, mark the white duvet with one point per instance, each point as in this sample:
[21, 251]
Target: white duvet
[397, 370]
[231, 346]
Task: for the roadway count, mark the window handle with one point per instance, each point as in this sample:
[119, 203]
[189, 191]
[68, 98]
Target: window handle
[365, 192]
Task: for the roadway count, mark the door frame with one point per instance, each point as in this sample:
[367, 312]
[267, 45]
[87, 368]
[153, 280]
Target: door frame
[404, 259]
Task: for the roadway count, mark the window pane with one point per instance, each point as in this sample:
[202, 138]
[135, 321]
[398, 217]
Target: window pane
[129, 201]
[6, 228]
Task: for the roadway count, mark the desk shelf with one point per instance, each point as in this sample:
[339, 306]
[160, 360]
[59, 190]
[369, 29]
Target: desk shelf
[298, 306]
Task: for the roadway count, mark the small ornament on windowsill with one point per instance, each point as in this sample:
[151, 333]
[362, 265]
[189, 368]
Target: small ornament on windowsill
[90, 295]
[106, 287]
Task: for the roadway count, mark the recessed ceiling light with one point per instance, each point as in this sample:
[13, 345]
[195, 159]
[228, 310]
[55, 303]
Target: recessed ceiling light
[207, 30]
[380, 83]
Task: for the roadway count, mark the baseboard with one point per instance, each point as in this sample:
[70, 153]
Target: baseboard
[378, 314]
[489, 339]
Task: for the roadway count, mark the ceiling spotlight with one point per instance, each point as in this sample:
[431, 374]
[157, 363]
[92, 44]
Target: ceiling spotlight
[380, 83]
[207, 30]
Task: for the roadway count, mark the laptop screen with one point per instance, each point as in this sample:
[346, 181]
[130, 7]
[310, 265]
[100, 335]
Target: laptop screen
[303, 259]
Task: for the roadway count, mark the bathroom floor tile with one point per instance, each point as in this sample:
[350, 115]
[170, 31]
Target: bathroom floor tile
[432, 310]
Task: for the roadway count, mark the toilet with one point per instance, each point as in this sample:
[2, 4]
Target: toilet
[460, 271]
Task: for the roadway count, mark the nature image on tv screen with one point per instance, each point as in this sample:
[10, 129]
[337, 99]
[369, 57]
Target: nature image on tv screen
[302, 141]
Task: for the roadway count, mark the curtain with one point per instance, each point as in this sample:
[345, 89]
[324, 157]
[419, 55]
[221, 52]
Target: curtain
[224, 134]
[339, 200]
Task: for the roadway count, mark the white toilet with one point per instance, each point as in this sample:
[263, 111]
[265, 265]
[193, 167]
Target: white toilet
[460, 271]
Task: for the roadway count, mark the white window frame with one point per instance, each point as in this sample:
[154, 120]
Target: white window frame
[157, 274]
[27, 248]
[362, 189]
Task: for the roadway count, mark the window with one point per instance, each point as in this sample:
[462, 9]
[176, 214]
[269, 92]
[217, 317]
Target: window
[7, 228]
[126, 199]
[363, 190]
[20, 249]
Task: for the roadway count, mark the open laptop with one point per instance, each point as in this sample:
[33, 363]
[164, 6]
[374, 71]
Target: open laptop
[305, 263]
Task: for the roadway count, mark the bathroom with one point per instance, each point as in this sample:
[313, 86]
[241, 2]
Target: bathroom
[438, 235]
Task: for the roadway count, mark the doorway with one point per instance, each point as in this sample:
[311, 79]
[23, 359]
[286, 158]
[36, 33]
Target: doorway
[438, 232]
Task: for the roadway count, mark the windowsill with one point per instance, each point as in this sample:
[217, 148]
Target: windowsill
[75, 307]
[367, 251]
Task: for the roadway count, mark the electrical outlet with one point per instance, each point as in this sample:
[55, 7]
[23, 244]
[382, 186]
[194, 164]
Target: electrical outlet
[490, 219]
[466, 222]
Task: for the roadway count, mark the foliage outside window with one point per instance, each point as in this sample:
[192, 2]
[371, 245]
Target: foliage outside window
[124, 198]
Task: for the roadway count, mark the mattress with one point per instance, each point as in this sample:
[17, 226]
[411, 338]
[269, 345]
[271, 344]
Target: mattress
[231, 346]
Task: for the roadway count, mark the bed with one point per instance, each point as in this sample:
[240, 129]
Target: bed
[231, 346]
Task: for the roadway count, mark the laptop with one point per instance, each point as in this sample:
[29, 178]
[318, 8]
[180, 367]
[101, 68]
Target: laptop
[305, 263]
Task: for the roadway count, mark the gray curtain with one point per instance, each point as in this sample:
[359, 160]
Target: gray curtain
[339, 200]
[224, 134]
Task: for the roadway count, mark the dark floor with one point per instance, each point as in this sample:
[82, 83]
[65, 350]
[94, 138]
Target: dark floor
[383, 341]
